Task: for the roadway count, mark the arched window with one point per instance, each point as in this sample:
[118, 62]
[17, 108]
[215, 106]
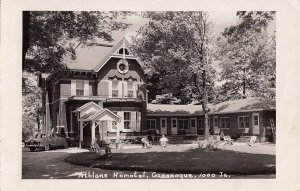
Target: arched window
[121, 51]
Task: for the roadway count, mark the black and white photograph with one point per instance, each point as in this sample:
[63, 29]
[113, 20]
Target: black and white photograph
[149, 95]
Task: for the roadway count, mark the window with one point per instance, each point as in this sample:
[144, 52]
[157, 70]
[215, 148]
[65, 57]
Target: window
[79, 88]
[193, 122]
[151, 124]
[123, 50]
[244, 122]
[174, 123]
[130, 89]
[255, 120]
[225, 123]
[127, 120]
[115, 91]
[183, 124]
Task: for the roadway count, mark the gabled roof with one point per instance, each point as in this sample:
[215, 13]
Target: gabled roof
[92, 114]
[241, 105]
[123, 42]
[89, 104]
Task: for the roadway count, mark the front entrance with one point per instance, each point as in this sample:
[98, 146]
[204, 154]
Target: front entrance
[163, 126]
[193, 125]
[255, 122]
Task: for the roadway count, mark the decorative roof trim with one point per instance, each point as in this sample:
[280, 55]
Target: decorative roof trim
[123, 42]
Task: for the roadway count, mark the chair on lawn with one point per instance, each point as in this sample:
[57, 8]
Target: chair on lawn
[217, 132]
[228, 140]
[245, 131]
[94, 148]
[252, 141]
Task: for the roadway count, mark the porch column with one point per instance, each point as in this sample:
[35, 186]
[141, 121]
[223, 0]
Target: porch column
[99, 128]
[93, 130]
[118, 130]
[81, 134]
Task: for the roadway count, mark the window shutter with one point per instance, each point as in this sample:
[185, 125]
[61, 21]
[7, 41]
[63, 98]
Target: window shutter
[138, 122]
[121, 114]
[73, 87]
[86, 88]
[133, 121]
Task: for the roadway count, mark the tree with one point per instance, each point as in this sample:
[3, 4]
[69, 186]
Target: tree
[247, 58]
[51, 36]
[175, 46]
[32, 110]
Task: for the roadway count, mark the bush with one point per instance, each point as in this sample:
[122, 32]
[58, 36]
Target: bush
[210, 145]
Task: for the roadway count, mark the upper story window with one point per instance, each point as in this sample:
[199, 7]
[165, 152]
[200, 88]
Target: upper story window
[123, 51]
[115, 91]
[130, 89]
[79, 87]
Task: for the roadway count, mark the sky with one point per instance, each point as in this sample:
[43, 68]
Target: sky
[89, 57]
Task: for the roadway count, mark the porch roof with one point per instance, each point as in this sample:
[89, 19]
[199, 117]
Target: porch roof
[91, 111]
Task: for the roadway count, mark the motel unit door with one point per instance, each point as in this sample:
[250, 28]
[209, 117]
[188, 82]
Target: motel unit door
[255, 123]
[193, 125]
[163, 126]
[174, 126]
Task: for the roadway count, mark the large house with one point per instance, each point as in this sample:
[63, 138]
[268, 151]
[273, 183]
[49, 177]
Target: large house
[110, 100]
[105, 100]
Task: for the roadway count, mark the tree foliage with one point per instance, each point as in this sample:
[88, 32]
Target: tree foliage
[50, 36]
[247, 58]
[32, 110]
[174, 47]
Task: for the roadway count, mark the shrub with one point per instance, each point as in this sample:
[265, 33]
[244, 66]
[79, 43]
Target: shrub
[210, 145]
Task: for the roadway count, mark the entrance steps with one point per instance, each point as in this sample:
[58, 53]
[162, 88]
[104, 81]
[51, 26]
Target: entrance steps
[243, 139]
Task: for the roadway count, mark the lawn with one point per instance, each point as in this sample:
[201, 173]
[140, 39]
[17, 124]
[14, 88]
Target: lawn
[194, 161]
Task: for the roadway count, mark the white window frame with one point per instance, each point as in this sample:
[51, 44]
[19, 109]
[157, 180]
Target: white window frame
[227, 123]
[183, 123]
[77, 81]
[131, 89]
[127, 120]
[116, 89]
[150, 124]
[243, 116]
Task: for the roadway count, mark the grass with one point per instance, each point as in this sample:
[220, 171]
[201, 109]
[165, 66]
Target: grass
[192, 161]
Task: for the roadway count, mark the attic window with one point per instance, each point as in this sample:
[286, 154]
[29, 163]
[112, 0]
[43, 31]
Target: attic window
[121, 51]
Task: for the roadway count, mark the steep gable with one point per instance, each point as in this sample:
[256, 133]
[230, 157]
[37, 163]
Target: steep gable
[120, 50]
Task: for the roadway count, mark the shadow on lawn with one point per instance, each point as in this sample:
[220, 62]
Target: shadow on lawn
[193, 161]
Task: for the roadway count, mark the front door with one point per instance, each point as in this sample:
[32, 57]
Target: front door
[163, 126]
[174, 126]
[255, 122]
[193, 125]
